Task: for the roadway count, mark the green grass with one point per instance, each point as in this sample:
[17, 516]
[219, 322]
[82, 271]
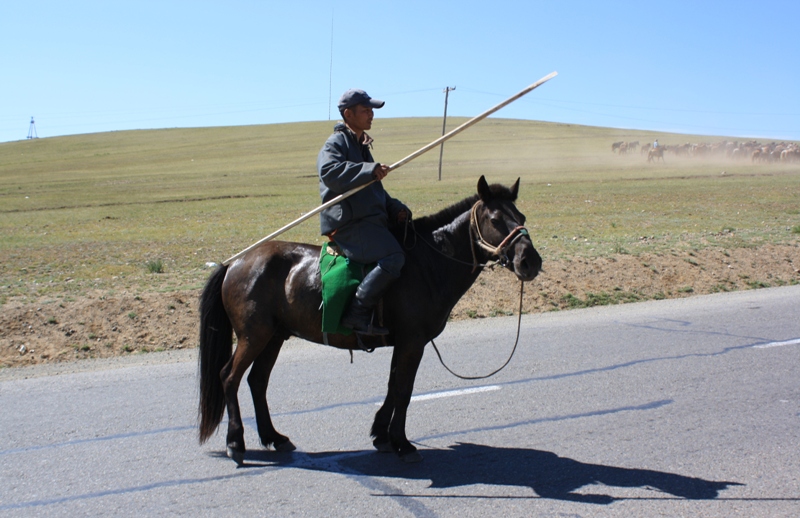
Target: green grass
[155, 266]
[85, 212]
[600, 299]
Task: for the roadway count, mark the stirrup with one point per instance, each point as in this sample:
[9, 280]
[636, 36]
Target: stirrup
[370, 329]
[361, 346]
[360, 320]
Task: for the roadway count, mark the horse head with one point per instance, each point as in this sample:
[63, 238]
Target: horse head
[498, 227]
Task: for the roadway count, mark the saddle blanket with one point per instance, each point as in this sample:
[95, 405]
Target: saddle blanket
[340, 279]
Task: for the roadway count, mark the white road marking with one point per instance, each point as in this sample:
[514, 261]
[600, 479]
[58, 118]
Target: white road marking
[452, 393]
[794, 341]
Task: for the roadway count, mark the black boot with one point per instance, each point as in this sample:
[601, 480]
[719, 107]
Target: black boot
[359, 315]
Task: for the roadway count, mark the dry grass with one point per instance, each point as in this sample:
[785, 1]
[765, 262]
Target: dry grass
[141, 212]
[90, 212]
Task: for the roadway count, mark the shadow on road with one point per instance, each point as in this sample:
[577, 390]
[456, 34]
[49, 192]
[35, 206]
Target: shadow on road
[463, 464]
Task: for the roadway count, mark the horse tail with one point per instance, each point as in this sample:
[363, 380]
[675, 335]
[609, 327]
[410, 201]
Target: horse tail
[216, 344]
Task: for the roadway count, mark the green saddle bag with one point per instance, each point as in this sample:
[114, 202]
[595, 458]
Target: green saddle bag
[340, 279]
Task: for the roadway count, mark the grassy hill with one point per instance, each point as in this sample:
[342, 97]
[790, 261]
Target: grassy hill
[93, 211]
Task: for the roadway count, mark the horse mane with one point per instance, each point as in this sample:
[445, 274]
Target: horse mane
[447, 215]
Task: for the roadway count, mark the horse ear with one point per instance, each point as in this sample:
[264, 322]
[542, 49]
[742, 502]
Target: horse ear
[483, 189]
[515, 190]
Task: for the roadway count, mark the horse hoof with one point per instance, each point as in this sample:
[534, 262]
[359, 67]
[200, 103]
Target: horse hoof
[285, 447]
[237, 456]
[383, 447]
[411, 458]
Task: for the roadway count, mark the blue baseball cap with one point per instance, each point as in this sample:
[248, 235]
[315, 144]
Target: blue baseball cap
[354, 97]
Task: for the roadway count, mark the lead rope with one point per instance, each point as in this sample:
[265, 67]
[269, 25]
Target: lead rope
[516, 342]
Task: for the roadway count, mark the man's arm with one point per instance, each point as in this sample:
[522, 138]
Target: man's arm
[339, 174]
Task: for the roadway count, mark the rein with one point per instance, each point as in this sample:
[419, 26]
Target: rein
[476, 237]
[499, 251]
[516, 342]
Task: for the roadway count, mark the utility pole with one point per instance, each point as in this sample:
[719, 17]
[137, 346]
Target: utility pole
[444, 126]
[32, 130]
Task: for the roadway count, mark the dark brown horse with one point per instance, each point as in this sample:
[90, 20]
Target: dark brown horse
[273, 292]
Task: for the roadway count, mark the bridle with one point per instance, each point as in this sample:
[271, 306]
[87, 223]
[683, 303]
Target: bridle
[499, 251]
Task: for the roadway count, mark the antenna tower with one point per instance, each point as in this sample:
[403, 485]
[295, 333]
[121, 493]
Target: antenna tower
[330, 72]
[32, 130]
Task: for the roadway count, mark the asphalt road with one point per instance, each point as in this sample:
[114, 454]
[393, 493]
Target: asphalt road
[687, 407]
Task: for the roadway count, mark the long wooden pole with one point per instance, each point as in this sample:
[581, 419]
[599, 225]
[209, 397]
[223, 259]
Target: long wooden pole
[394, 166]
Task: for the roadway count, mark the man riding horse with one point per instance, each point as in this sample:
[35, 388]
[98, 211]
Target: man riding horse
[359, 225]
[272, 290]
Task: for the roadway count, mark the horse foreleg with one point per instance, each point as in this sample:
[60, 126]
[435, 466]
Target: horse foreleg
[258, 381]
[383, 417]
[404, 371]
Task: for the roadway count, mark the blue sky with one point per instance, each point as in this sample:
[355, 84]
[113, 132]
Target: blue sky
[706, 68]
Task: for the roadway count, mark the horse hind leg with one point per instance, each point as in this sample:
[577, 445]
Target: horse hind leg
[233, 372]
[258, 381]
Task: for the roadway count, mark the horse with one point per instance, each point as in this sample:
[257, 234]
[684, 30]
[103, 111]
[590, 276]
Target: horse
[655, 153]
[274, 292]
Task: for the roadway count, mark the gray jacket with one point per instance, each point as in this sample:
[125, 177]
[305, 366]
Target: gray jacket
[344, 164]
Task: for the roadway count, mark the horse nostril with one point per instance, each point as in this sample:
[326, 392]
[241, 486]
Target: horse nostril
[527, 263]
[533, 264]
[527, 269]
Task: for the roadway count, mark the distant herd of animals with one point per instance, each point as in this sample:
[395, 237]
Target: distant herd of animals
[756, 152]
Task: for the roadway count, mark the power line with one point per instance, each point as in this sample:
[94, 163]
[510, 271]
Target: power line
[632, 107]
[173, 117]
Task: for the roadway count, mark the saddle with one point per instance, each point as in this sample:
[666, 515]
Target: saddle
[340, 279]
